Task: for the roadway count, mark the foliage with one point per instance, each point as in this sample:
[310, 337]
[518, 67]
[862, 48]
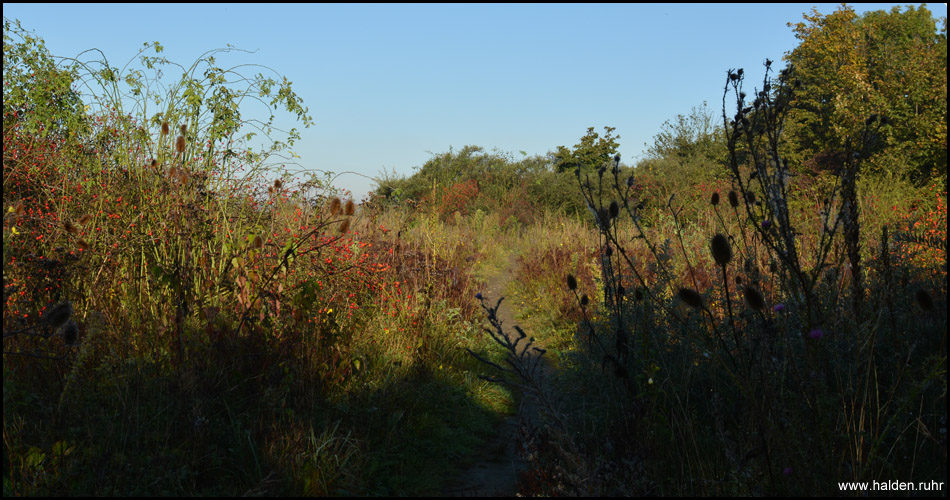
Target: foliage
[591, 153]
[892, 64]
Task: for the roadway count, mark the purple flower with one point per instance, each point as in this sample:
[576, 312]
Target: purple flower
[787, 471]
[779, 308]
[816, 334]
[766, 224]
[478, 296]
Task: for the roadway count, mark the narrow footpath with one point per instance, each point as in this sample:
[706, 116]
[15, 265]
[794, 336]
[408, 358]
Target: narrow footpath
[498, 464]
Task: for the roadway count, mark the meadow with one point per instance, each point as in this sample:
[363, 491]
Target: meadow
[186, 315]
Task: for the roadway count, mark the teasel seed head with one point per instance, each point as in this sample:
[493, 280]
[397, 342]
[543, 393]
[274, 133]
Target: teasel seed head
[183, 128]
[720, 248]
[614, 209]
[733, 199]
[691, 297]
[350, 207]
[70, 227]
[257, 242]
[638, 295]
[345, 226]
[60, 314]
[738, 280]
[180, 144]
[335, 205]
[584, 300]
[924, 300]
[753, 298]
[153, 163]
[70, 332]
[82, 244]
[165, 128]
[715, 199]
[278, 184]
[571, 282]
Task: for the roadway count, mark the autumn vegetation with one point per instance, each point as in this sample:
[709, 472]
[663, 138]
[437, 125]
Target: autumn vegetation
[758, 307]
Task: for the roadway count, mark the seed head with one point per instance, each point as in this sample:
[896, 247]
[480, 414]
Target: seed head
[691, 297]
[180, 144]
[278, 184]
[571, 282]
[60, 314]
[345, 226]
[70, 332]
[350, 207]
[165, 128]
[638, 295]
[70, 227]
[733, 199]
[153, 163]
[816, 334]
[753, 298]
[924, 300]
[614, 210]
[720, 248]
[715, 199]
[584, 300]
[257, 242]
[335, 205]
[183, 128]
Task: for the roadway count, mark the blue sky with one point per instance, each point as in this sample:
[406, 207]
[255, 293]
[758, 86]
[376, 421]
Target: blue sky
[388, 85]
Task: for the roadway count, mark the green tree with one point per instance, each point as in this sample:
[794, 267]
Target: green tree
[591, 153]
[892, 64]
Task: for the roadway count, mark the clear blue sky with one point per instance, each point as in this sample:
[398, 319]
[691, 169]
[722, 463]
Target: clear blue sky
[389, 84]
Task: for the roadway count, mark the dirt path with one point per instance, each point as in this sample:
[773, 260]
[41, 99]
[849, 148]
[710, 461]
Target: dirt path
[495, 472]
[497, 466]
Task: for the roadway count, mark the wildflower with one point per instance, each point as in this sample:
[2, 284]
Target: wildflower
[478, 296]
[778, 308]
[721, 250]
[816, 334]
